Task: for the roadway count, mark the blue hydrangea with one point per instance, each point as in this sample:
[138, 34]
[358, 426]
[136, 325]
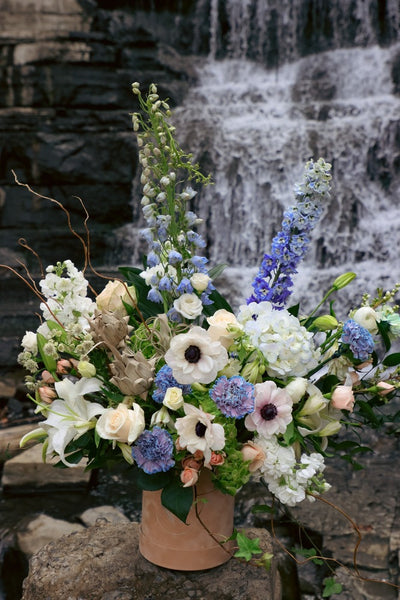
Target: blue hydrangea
[235, 397]
[153, 451]
[274, 279]
[359, 339]
[164, 380]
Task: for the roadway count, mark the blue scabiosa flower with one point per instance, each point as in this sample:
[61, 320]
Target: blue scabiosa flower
[359, 339]
[234, 397]
[153, 451]
[164, 380]
[289, 246]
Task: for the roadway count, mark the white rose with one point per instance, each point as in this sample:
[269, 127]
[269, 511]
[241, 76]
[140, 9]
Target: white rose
[219, 323]
[112, 297]
[200, 281]
[29, 342]
[173, 398]
[121, 424]
[367, 317]
[189, 306]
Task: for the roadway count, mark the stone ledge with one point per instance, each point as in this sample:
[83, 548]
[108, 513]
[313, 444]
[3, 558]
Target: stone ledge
[103, 562]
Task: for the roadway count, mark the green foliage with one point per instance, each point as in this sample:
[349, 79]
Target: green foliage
[49, 362]
[247, 547]
[331, 587]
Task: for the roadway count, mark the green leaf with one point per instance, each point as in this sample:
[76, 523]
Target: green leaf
[49, 362]
[218, 302]
[177, 499]
[290, 434]
[262, 508]
[146, 307]
[383, 328]
[216, 271]
[331, 587]
[153, 482]
[392, 360]
[247, 547]
[294, 310]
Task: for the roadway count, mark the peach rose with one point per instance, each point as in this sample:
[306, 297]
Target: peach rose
[343, 398]
[189, 477]
[216, 459]
[112, 297]
[250, 451]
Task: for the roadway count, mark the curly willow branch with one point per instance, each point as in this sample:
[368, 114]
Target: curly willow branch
[85, 244]
[355, 571]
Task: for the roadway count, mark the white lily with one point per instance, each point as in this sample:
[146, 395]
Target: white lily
[71, 415]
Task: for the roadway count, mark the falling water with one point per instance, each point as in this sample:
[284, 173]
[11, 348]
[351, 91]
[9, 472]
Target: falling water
[253, 127]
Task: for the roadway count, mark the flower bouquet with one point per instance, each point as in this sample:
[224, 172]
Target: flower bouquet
[158, 371]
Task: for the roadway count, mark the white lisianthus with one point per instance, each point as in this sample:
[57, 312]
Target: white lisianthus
[173, 398]
[219, 326]
[162, 418]
[121, 424]
[200, 281]
[367, 317]
[195, 357]
[29, 342]
[297, 388]
[189, 306]
[315, 401]
[197, 432]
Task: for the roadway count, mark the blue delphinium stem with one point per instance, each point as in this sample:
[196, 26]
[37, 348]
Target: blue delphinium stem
[289, 246]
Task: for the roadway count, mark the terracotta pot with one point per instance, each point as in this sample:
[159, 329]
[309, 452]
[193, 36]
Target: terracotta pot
[168, 542]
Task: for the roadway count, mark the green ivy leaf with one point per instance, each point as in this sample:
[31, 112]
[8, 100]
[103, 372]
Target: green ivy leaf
[331, 587]
[262, 508]
[247, 547]
[177, 499]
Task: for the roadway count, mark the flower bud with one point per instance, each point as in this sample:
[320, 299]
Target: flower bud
[343, 280]
[325, 323]
[313, 404]
[189, 477]
[47, 394]
[330, 429]
[86, 369]
[297, 388]
[384, 388]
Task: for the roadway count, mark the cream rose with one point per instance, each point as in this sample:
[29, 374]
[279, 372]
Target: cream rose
[219, 323]
[200, 281]
[189, 306]
[173, 398]
[121, 424]
[112, 297]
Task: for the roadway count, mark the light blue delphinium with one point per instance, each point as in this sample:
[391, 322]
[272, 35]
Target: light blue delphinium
[274, 279]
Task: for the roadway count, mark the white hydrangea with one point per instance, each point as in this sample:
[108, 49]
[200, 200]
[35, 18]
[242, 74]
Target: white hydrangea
[286, 345]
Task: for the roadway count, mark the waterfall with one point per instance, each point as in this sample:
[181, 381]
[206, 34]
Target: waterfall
[284, 82]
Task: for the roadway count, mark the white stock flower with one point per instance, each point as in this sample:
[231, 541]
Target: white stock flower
[286, 345]
[29, 342]
[194, 357]
[189, 306]
[121, 424]
[197, 432]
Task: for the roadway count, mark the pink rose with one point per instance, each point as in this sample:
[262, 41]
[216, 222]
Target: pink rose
[385, 388]
[250, 451]
[189, 477]
[343, 398]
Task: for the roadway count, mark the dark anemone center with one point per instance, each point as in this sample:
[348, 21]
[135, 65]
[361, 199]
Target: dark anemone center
[192, 354]
[268, 412]
[200, 429]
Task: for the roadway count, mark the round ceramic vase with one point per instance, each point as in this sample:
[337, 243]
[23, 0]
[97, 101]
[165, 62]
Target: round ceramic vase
[192, 546]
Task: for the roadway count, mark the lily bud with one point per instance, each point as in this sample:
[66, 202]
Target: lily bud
[325, 323]
[343, 280]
